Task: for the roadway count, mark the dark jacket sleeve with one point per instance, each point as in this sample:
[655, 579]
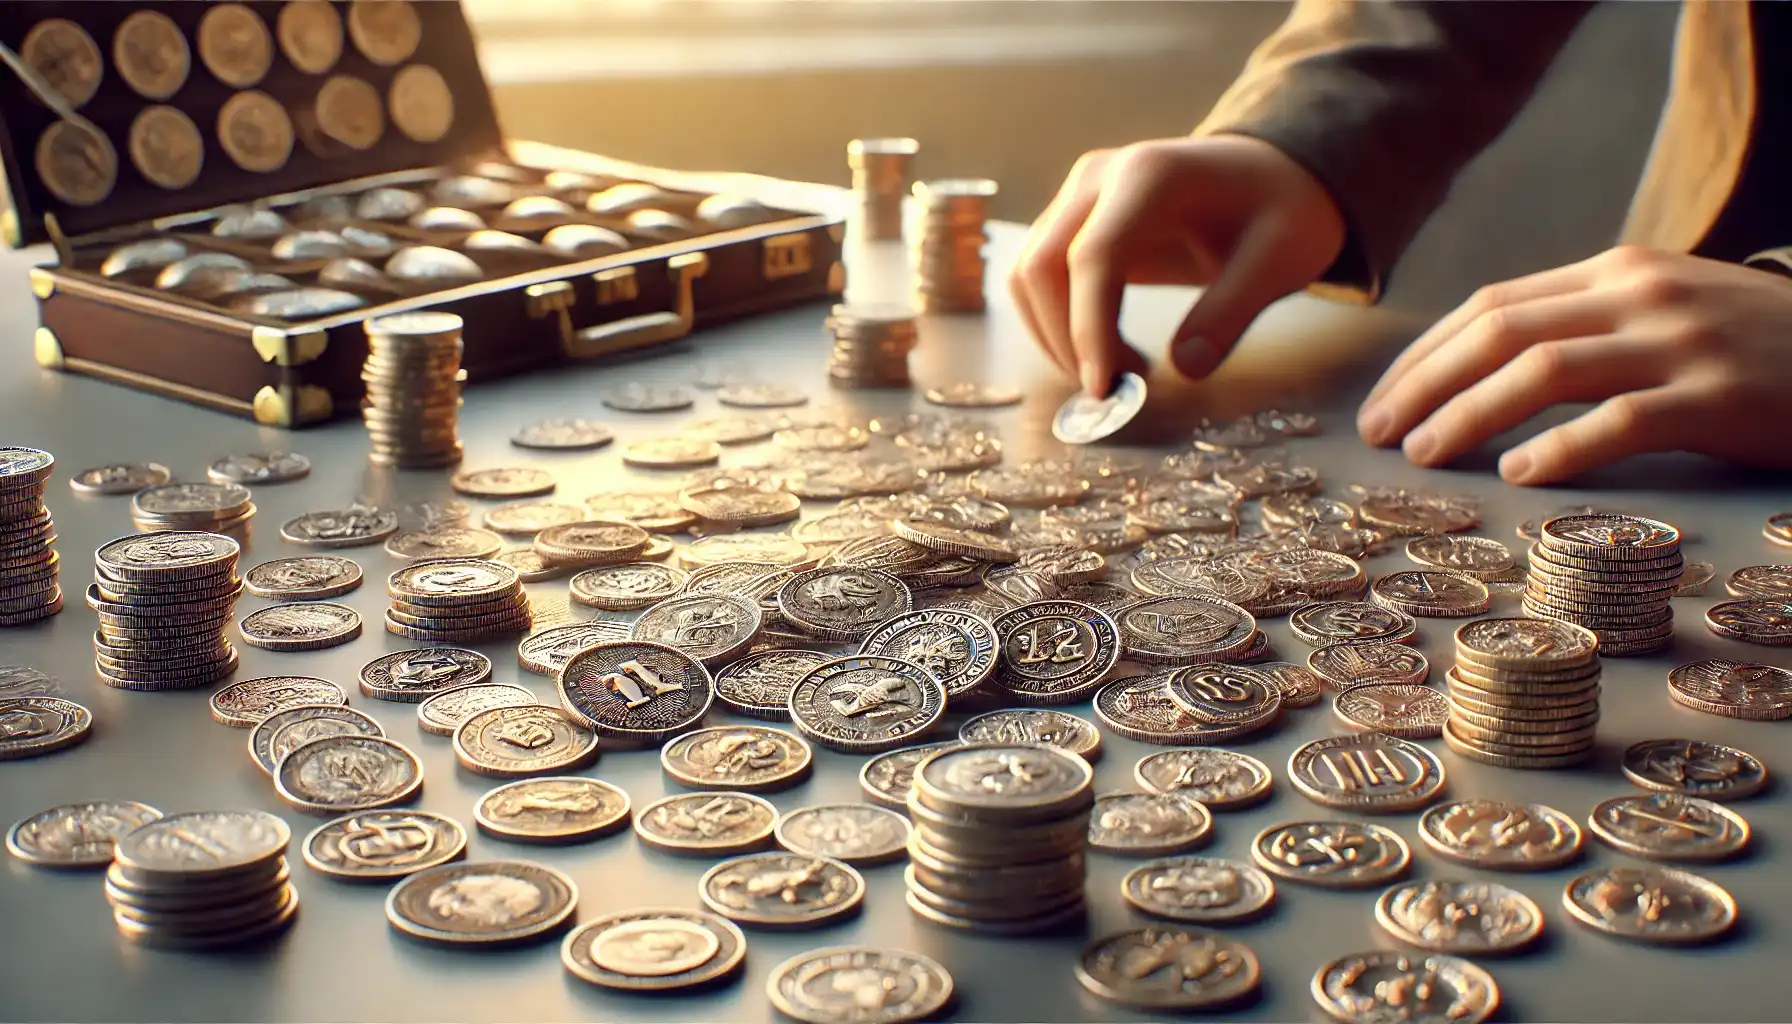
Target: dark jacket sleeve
[1384, 102]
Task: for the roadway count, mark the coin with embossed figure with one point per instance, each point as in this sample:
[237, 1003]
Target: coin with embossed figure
[1761, 582]
[852, 833]
[166, 147]
[517, 742]
[654, 950]
[1140, 708]
[1501, 835]
[281, 732]
[338, 774]
[1299, 686]
[1650, 904]
[235, 45]
[248, 702]
[559, 809]
[380, 846]
[482, 903]
[1670, 826]
[385, 31]
[1149, 824]
[421, 104]
[859, 984]
[1034, 725]
[442, 712]
[712, 628]
[636, 692]
[1225, 695]
[707, 824]
[842, 603]
[1220, 779]
[1694, 768]
[198, 844]
[627, 586]
[1055, 652]
[547, 652]
[353, 527]
[77, 835]
[1343, 666]
[1765, 622]
[301, 627]
[782, 890]
[759, 685]
[1467, 918]
[304, 578]
[1350, 622]
[1479, 557]
[1405, 986]
[1199, 890]
[1430, 593]
[410, 677]
[79, 166]
[444, 542]
[1406, 710]
[1178, 630]
[1733, 689]
[1368, 772]
[1332, 854]
[1169, 969]
[867, 704]
[888, 777]
[310, 34]
[749, 758]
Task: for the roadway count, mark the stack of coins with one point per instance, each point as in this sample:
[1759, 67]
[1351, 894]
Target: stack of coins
[202, 880]
[1612, 574]
[457, 601]
[998, 839]
[223, 508]
[948, 244]
[28, 562]
[880, 170]
[164, 601]
[1524, 693]
[871, 346]
[413, 379]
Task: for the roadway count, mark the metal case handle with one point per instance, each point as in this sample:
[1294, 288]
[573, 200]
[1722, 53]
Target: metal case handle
[618, 284]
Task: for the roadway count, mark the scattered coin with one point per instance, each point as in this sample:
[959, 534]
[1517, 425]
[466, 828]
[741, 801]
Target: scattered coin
[1085, 420]
[444, 542]
[259, 468]
[284, 731]
[32, 726]
[1670, 826]
[627, 586]
[782, 890]
[517, 742]
[1733, 689]
[410, 677]
[1650, 904]
[973, 395]
[1199, 890]
[563, 809]
[304, 578]
[1298, 685]
[1694, 768]
[749, 758]
[1466, 918]
[247, 703]
[636, 397]
[867, 704]
[1054, 652]
[353, 527]
[1332, 854]
[1409, 711]
[1500, 835]
[482, 903]
[1012, 726]
[759, 685]
[77, 835]
[1343, 666]
[674, 452]
[707, 824]
[121, 478]
[1149, 824]
[1220, 779]
[889, 777]
[1371, 986]
[865, 985]
[1429, 593]
[634, 691]
[1190, 969]
[442, 712]
[528, 518]
[381, 846]
[301, 627]
[654, 950]
[1183, 629]
[853, 833]
[502, 483]
[1350, 622]
[760, 395]
[547, 652]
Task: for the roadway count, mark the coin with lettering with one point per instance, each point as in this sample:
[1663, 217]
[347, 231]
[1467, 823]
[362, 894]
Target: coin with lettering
[888, 777]
[348, 110]
[707, 824]
[1011, 726]
[559, 809]
[309, 626]
[482, 903]
[385, 31]
[235, 45]
[1344, 666]
[1055, 652]
[281, 732]
[1220, 779]
[1149, 824]
[636, 692]
[1199, 890]
[711, 628]
[1169, 969]
[654, 950]
[782, 890]
[1694, 768]
[31, 726]
[1084, 419]
[867, 704]
[1650, 904]
[852, 833]
[310, 34]
[1405, 986]
[1332, 854]
[1140, 708]
[422, 105]
[410, 677]
[1368, 772]
[1225, 695]
[1733, 689]
[77, 835]
[859, 984]
[1350, 622]
[255, 131]
[380, 846]
[1501, 835]
[749, 758]
[547, 652]
[1466, 918]
[1670, 826]
[517, 742]
[77, 165]
[339, 774]
[246, 703]
[151, 54]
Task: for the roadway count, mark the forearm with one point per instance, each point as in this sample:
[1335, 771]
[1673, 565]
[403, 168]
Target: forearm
[1385, 102]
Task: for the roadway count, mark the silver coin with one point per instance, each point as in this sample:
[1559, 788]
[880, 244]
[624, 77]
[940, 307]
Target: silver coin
[518, 742]
[443, 712]
[712, 628]
[1468, 918]
[482, 902]
[121, 478]
[1709, 770]
[77, 835]
[782, 890]
[638, 397]
[707, 824]
[1004, 783]
[301, 627]
[1199, 890]
[957, 647]
[410, 677]
[219, 501]
[859, 984]
[1149, 824]
[842, 603]
[1055, 652]
[1084, 420]
[889, 777]
[1405, 986]
[563, 435]
[201, 843]
[1368, 772]
[259, 468]
[444, 542]
[1218, 778]
[246, 703]
[867, 704]
[553, 810]
[759, 685]
[1034, 725]
[636, 692]
[279, 733]
[304, 578]
[749, 758]
[166, 556]
[654, 950]
[852, 833]
[32, 726]
[547, 652]
[341, 528]
[1332, 854]
[379, 846]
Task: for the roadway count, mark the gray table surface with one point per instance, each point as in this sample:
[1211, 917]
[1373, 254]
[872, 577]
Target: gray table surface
[61, 958]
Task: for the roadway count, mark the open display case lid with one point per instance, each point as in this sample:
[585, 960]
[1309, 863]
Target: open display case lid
[207, 104]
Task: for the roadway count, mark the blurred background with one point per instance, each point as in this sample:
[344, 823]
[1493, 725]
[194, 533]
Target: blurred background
[1015, 90]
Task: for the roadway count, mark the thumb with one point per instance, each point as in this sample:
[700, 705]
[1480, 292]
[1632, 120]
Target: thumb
[1250, 280]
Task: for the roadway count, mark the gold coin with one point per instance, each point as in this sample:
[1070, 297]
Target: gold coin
[151, 54]
[235, 45]
[387, 31]
[310, 34]
[166, 147]
[79, 166]
[422, 106]
[255, 132]
[67, 58]
[348, 110]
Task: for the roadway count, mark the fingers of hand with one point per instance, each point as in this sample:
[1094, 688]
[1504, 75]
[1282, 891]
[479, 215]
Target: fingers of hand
[1040, 280]
[1652, 420]
[1543, 375]
[1492, 339]
[1248, 282]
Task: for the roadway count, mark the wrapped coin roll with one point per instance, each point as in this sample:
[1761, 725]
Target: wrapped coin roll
[176, 274]
[447, 218]
[731, 211]
[248, 223]
[584, 240]
[467, 190]
[151, 254]
[626, 197]
[388, 204]
[432, 263]
[659, 224]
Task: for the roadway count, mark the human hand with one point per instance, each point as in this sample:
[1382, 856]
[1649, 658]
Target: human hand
[1232, 213]
[1681, 353]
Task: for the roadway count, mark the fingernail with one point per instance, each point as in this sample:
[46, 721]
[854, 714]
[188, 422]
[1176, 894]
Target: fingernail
[1515, 465]
[1093, 385]
[1420, 445]
[1373, 425]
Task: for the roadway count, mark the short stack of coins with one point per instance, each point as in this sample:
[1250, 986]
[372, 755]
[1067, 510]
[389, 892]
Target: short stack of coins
[207, 879]
[880, 170]
[164, 601]
[223, 508]
[1007, 860]
[413, 379]
[28, 564]
[457, 601]
[1524, 693]
[948, 244]
[1612, 574]
[871, 345]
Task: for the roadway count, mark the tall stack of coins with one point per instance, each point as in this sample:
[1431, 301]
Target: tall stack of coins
[223, 508]
[1524, 693]
[28, 564]
[999, 833]
[880, 169]
[948, 244]
[203, 880]
[413, 379]
[457, 601]
[164, 601]
[871, 345]
[1612, 574]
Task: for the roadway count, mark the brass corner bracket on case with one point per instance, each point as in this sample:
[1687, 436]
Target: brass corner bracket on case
[288, 406]
[554, 299]
[47, 349]
[42, 284]
[288, 348]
